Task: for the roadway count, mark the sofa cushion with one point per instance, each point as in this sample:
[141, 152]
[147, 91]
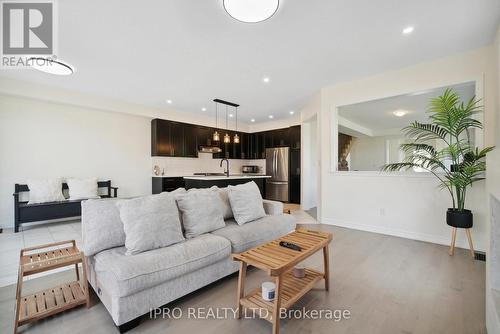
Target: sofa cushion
[257, 232]
[225, 204]
[246, 202]
[124, 275]
[150, 222]
[201, 212]
[100, 215]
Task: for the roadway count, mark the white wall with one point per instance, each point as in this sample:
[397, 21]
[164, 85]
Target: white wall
[310, 154]
[407, 206]
[203, 164]
[493, 187]
[367, 153]
[309, 173]
[43, 138]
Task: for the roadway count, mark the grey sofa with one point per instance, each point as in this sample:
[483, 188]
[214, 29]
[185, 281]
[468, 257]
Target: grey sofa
[130, 285]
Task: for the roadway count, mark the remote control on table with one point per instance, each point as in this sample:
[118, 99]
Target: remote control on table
[290, 245]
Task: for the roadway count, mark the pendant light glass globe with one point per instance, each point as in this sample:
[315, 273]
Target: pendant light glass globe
[251, 11]
[216, 136]
[227, 139]
[236, 139]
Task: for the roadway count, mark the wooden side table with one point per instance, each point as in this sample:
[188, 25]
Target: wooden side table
[59, 298]
[278, 262]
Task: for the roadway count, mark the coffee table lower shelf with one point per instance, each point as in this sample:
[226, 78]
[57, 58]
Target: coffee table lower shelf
[292, 290]
[51, 301]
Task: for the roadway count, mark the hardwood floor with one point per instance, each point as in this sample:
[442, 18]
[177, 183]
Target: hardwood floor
[389, 285]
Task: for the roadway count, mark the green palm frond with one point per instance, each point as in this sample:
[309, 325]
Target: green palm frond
[425, 131]
[450, 122]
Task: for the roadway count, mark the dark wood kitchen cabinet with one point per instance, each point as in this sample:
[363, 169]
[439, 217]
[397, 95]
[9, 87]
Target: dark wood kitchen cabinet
[203, 136]
[165, 183]
[190, 141]
[294, 137]
[175, 139]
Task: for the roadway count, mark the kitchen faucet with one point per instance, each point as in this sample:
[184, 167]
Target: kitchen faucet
[227, 166]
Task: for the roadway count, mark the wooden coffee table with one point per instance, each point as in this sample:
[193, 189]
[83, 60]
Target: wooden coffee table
[278, 262]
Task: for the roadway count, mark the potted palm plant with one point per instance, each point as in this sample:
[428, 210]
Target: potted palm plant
[453, 159]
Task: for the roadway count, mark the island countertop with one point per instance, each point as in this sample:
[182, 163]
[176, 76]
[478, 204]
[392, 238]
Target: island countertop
[223, 177]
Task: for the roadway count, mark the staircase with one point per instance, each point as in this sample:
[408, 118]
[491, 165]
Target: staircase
[345, 144]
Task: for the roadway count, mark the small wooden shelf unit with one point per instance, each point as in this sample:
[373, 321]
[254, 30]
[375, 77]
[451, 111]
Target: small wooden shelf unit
[278, 262]
[57, 299]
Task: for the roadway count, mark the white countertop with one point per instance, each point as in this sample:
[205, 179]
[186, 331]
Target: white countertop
[231, 177]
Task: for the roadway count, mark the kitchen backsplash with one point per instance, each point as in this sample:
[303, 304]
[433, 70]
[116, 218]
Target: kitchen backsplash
[203, 164]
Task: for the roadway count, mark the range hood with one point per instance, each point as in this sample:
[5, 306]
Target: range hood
[209, 149]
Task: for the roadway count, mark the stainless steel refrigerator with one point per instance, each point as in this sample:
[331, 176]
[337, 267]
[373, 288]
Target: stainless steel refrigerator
[277, 162]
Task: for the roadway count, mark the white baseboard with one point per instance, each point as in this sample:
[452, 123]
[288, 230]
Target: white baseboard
[432, 238]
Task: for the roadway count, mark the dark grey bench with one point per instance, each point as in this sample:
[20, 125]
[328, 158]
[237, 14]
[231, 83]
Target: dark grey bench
[27, 213]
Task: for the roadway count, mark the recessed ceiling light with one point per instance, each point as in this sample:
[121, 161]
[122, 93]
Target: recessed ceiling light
[271, 116]
[47, 65]
[408, 30]
[203, 109]
[399, 112]
[291, 112]
[252, 120]
[266, 79]
[230, 115]
[169, 101]
[251, 11]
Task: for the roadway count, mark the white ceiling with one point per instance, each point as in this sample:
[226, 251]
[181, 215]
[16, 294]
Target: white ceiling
[191, 51]
[377, 116]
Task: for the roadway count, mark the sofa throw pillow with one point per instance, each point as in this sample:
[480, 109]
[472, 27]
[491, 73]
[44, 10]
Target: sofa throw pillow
[150, 222]
[227, 212]
[43, 191]
[201, 212]
[102, 227]
[246, 202]
[82, 188]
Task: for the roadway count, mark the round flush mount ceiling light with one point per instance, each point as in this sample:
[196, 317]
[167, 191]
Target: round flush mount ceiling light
[399, 112]
[52, 66]
[251, 11]
[408, 30]
[169, 101]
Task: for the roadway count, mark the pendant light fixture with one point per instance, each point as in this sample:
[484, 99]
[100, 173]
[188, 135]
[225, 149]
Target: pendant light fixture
[227, 138]
[216, 136]
[236, 138]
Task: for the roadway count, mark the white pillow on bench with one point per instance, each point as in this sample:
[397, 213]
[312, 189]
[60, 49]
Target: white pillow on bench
[43, 191]
[82, 188]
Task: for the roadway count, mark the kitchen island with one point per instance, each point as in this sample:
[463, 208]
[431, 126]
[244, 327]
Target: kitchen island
[170, 183]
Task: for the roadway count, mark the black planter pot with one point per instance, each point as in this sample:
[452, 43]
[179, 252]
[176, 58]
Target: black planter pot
[459, 218]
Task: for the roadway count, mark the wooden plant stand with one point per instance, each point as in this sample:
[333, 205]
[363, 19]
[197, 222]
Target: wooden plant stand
[59, 298]
[454, 237]
[278, 262]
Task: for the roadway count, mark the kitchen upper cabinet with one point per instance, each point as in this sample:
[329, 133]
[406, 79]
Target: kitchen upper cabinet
[177, 139]
[203, 136]
[294, 136]
[160, 138]
[281, 137]
[245, 145]
[190, 141]
[261, 145]
[269, 139]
